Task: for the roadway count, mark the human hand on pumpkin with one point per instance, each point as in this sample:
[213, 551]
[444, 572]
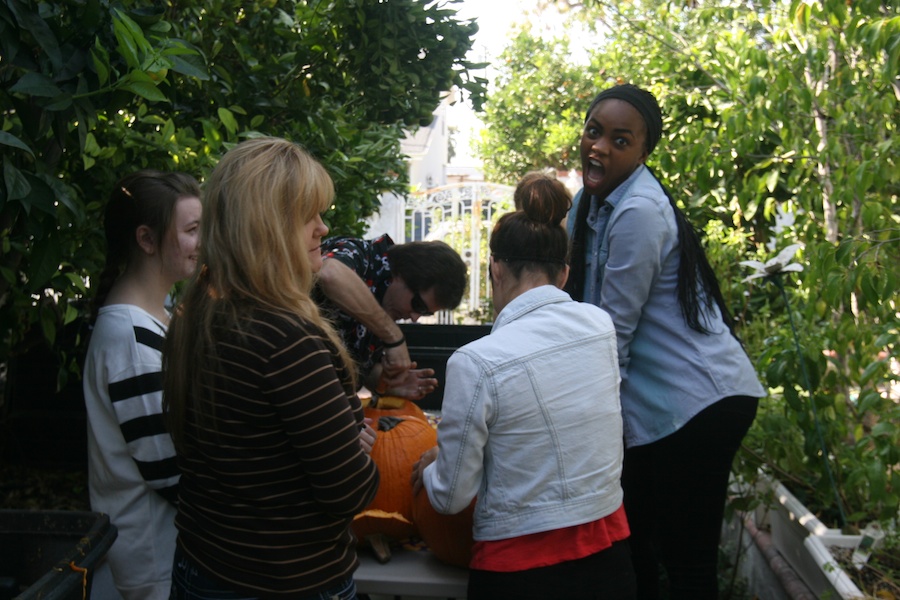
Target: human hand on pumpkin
[367, 436]
[415, 384]
[418, 468]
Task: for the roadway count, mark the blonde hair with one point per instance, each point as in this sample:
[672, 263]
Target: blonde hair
[253, 254]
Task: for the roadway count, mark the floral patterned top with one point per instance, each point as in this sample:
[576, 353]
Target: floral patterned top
[369, 259]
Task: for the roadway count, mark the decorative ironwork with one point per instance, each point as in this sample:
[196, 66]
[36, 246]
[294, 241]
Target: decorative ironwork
[462, 215]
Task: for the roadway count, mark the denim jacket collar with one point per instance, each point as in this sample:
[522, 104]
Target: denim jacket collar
[528, 301]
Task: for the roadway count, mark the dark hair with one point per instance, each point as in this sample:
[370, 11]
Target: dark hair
[533, 238]
[146, 197]
[698, 287]
[423, 265]
[539, 186]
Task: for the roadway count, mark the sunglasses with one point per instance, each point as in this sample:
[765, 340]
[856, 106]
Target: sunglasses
[418, 306]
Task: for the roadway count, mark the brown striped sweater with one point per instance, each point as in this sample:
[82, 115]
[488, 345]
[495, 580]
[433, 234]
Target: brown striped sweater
[268, 493]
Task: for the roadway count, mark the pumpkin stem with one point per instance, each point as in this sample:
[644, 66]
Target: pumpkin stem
[380, 546]
[388, 423]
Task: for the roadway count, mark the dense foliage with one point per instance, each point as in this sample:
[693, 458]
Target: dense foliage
[535, 109]
[781, 127]
[91, 90]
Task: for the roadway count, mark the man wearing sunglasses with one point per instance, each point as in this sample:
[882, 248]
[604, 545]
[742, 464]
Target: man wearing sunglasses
[366, 286]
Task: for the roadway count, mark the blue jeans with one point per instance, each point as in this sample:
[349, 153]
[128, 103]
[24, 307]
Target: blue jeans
[190, 583]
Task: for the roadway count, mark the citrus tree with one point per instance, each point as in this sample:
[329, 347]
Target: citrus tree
[534, 110]
[92, 90]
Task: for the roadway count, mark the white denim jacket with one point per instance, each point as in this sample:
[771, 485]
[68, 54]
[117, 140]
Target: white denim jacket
[531, 421]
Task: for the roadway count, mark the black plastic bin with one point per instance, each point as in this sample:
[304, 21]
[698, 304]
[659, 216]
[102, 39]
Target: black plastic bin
[431, 345]
[38, 549]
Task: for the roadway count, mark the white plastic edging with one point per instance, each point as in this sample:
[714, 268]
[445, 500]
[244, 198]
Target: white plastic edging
[818, 543]
[798, 511]
[818, 546]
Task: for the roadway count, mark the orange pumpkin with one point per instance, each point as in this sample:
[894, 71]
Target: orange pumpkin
[449, 537]
[400, 442]
[386, 408]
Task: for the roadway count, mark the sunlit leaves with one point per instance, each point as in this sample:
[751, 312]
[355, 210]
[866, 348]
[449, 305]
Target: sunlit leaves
[535, 113]
[780, 125]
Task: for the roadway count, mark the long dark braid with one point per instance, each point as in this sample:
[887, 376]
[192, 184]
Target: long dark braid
[575, 284]
[695, 274]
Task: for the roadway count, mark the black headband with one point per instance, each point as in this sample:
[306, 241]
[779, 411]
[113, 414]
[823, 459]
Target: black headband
[645, 104]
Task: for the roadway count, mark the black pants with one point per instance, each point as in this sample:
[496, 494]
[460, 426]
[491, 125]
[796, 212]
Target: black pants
[606, 575]
[675, 492]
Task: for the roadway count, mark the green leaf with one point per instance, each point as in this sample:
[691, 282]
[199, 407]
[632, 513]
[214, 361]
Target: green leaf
[17, 186]
[46, 257]
[36, 84]
[127, 46]
[41, 196]
[192, 66]
[868, 400]
[77, 282]
[884, 429]
[135, 32]
[9, 139]
[872, 369]
[145, 90]
[71, 313]
[772, 180]
[228, 120]
[100, 58]
[59, 103]
[31, 21]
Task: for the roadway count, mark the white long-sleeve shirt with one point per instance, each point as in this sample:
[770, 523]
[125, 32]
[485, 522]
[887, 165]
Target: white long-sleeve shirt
[132, 471]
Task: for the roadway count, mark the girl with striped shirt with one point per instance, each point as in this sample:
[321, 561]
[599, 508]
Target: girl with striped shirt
[152, 225]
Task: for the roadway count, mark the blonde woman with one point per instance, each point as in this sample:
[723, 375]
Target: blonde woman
[152, 226]
[260, 394]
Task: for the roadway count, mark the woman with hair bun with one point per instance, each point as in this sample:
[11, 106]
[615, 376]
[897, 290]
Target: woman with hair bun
[689, 391]
[529, 431]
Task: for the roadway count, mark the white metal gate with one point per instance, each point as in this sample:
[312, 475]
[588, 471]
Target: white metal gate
[461, 215]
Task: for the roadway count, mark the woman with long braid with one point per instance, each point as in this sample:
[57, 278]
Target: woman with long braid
[689, 392]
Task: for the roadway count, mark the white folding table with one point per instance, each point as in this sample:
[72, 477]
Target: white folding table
[410, 573]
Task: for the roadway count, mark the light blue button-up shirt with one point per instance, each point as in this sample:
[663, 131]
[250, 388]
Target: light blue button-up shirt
[670, 372]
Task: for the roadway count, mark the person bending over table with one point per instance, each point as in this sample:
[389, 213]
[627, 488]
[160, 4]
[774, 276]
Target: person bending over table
[366, 286]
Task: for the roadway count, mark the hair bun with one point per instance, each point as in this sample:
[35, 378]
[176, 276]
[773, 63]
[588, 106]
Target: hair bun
[543, 198]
